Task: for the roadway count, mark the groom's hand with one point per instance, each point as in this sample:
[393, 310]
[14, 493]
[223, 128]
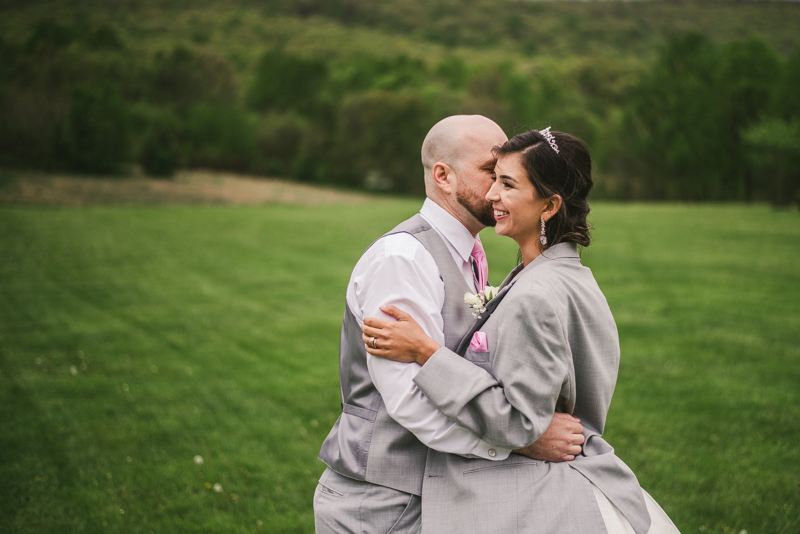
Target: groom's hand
[561, 441]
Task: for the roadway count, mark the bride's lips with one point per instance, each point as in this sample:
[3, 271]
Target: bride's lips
[500, 214]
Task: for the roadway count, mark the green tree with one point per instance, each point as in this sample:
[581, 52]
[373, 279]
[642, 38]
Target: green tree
[453, 71]
[786, 103]
[287, 82]
[747, 73]
[96, 135]
[364, 73]
[291, 145]
[161, 151]
[222, 137]
[184, 78]
[774, 150]
[380, 134]
[688, 114]
[676, 125]
[49, 34]
[774, 142]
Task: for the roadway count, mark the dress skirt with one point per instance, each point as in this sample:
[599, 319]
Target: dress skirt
[660, 523]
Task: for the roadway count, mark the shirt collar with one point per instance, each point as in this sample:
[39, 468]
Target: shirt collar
[449, 228]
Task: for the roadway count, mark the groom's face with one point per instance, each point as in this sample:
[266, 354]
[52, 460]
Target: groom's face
[475, 175]
[471, 193]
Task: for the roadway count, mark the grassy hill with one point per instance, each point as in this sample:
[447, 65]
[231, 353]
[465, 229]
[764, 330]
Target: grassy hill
[336, 91]
[478, 30]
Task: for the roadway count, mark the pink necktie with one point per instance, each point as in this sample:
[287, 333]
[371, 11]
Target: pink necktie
[483, 267]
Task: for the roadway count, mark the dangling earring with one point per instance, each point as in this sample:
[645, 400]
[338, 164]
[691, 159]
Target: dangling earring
[543, 238]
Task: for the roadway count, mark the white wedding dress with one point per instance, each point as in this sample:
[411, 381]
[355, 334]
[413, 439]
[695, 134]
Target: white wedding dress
[616, 523]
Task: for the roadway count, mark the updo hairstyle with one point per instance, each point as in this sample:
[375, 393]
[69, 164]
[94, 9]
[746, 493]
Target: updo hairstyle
[567, 173]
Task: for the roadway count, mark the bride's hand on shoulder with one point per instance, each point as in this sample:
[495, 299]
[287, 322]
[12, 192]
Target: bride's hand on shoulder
[401, 340]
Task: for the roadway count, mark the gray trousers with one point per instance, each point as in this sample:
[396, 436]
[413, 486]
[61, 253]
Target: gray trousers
[342, 504]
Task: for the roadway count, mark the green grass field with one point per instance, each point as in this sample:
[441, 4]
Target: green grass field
[134, 339]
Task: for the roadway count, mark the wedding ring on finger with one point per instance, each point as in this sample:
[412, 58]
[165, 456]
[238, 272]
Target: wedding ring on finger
[372, 342]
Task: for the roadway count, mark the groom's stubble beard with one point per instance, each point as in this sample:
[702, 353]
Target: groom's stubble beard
[476, 205]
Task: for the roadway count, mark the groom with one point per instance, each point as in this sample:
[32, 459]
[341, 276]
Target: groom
[377, 449]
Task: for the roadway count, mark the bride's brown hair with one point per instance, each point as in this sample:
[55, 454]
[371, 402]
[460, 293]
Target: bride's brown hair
[567, 173]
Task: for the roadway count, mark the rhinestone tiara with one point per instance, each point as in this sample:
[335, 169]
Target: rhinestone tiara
[550, 138]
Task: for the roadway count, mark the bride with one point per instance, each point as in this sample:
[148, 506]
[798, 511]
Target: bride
[546, 343]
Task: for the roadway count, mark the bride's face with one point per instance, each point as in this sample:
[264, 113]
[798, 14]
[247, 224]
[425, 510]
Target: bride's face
[517, 207]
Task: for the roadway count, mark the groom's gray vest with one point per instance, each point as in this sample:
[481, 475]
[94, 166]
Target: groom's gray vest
[365, 443]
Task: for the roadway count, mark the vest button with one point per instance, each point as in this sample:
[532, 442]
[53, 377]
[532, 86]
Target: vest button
[492, 453]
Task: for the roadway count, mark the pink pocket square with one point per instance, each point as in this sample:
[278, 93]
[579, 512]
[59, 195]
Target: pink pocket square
[479, 342]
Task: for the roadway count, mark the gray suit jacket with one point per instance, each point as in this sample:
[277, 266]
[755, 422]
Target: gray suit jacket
[553, 346]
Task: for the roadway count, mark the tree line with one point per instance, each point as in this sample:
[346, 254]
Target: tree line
[701, 122]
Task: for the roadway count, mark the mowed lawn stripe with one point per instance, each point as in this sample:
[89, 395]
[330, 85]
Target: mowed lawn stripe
[159, 334]
[705, 301]
[242, 304]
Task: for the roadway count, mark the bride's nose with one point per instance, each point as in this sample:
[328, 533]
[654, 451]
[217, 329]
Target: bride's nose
[494, 192]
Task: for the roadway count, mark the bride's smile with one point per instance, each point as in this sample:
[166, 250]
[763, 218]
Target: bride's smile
[499, 214]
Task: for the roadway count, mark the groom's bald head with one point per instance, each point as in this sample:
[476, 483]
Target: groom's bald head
[454, 139]
[458, 162]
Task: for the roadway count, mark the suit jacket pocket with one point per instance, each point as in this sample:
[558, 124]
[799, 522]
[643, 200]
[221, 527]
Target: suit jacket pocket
[496, 466]
[480, 358]
[330, 491]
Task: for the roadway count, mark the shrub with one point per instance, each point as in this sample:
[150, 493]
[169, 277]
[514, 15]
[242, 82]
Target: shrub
[222, 137]
[774, 150]
[286, 82]
[453, 71]
[748, 72]
[365, 73]
[103, 37]
[281, 138]
[96, 135]
[786, 103]
[30, 120]
[677, 123]
[161, 151]
[688, 113]
[184, 78]
[49, 34]
[382, 132]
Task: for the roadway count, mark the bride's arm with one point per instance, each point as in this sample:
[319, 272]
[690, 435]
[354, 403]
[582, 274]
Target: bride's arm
[531, 366]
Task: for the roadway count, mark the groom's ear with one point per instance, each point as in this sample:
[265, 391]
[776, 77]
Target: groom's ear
[443, 177]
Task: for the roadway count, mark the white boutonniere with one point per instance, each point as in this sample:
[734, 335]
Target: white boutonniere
[477, 301]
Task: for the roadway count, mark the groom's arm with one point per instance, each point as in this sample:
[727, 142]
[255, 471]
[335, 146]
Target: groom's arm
[398, 270]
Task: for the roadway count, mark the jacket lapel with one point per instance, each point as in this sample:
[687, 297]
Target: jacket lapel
[479, 322]
[559, 251]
